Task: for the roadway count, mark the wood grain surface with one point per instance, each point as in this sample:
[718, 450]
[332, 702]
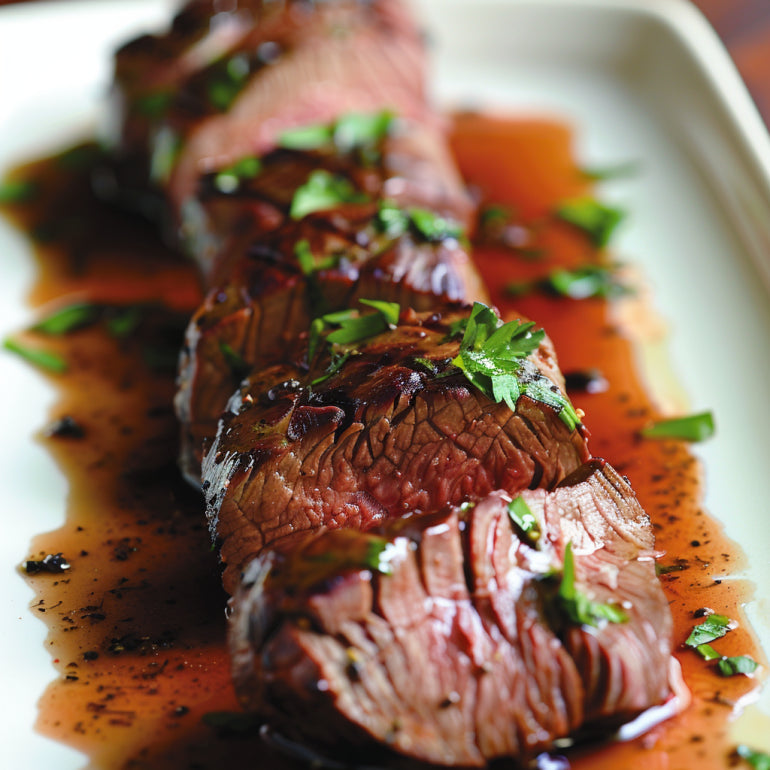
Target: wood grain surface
[743, 25]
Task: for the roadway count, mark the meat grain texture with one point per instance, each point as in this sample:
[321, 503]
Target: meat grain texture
[359, 493]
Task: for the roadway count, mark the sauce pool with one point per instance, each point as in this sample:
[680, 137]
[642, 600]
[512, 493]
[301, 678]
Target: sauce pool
[136, 625]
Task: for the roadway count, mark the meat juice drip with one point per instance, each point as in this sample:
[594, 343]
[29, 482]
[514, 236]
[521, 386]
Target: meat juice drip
[136, 627]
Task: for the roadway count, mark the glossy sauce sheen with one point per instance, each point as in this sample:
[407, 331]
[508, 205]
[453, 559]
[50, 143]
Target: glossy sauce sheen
[136, 626]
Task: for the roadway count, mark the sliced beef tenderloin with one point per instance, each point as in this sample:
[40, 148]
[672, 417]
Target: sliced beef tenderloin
[447, 637]
[373, 430]
[224, 84]
[279, 283]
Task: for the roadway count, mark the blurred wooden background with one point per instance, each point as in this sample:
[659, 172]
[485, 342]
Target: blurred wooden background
[743, 25]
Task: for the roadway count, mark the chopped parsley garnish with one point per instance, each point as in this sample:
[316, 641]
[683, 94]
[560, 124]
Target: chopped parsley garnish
[17, 191]
[584, 282]
[229, 179]
[578, 607]
[355, 328]
[757, 759]
[226, 80]
[714, 627]
[595, 219]
[323, 191]
[740, 664]
[394, 221]
[349, 549]
[68, 319]
[122, 322]
[695, 427]
[352, 131]
[42, 358]
[493, 357]
[351, 328]
[309, 263]
[615, 171]
[337, 362]
[154, 104]
[237, 364]
[707, 652]
[522, 516]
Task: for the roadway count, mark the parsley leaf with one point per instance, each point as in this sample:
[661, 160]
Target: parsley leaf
[757, 759]
[229, 179]
[226, 80]
[323, 191]
[740, 664]
[584, 282]
[355, 327]
[17, 191]
[309, 263]
[615, 171]
[714, 627]
[394, 221]
[579, 608]
[522, 516]
[595, 219]
[493, 357]
[68, 319]
[352, 327]
[695, 427]
[351, 131]
[42, 358]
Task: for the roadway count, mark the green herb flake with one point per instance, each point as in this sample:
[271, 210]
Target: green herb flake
[494, 216]
[306, 137]
[614, 171]
[578, 607]
[154, 104]
[122, 322]
[358, 328]
[521, 515]
[757, 759]
[237, 364]
[79, 157]
[229, 179]
[493, 357]
[68, 319]
[707, 652]
[337, 362]
[226, 81]
[586, 282]
[394, 221]
[357, 130]
[309, 263]
[433, 227]
[741, 664]
[595, 219]
[323, 191]
[714, 627]
[17, 191]
[42, 358]
[695, 427]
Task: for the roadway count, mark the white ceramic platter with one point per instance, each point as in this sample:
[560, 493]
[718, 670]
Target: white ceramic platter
[641, 80]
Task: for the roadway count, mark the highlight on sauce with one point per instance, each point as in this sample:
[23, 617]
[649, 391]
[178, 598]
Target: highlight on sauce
[129, 587]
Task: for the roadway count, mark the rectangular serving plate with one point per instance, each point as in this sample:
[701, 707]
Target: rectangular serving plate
[640, 80]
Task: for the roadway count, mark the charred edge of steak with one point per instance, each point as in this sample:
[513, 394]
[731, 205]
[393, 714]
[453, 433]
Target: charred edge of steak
[441, 635]
[396, 428]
